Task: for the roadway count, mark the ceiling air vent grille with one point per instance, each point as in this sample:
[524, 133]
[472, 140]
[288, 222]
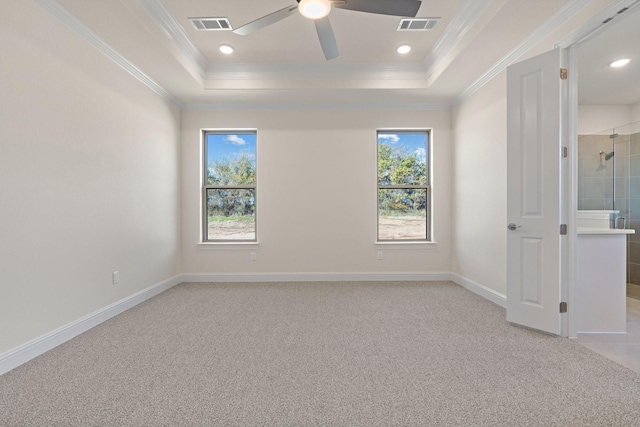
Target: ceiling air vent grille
[211, 24]
[417, 24]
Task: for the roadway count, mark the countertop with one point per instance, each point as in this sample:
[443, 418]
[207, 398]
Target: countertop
[599, 230]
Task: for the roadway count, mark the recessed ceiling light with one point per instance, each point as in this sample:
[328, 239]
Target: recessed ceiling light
[405, 48]
[226, 49]
[620, 63]
[314, 9]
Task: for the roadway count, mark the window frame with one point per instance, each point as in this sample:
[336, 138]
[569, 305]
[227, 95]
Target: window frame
[205, 187]
[427, 187]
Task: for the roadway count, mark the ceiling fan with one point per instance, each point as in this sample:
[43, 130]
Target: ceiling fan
[318, 10]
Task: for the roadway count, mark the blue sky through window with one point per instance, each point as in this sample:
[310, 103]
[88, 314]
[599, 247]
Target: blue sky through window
[411, 142]
[222, 146]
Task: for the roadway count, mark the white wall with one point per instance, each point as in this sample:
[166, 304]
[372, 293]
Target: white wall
[635, 113]
[480, 186]
[479, 125]
[597, 118]
[88, 179]
[316, 192]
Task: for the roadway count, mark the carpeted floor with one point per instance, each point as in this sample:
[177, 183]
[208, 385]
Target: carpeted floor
[318, 354]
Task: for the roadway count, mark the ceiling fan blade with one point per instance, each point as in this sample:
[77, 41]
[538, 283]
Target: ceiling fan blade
[327, 38]
[266, 20]
[408, 8]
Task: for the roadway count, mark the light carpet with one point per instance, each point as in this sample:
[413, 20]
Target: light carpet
[318, 354]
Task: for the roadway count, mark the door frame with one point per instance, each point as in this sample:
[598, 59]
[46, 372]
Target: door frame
[571, 43]
[569, 285]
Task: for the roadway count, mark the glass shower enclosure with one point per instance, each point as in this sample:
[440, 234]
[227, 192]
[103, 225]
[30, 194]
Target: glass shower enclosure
[609, 179]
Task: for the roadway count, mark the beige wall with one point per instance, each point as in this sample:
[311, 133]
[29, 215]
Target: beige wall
[480, 186]
[479, 194]
[597, 118]
[316, 193]
[635, 112]
[88, 179]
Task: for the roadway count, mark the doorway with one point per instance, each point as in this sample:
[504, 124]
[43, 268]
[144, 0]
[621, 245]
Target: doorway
[609, 129]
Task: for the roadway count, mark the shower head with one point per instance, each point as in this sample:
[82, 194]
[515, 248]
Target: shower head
[607, 156]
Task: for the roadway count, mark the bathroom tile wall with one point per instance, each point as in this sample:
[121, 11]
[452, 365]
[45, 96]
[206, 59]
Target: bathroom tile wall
[613, 184]
[633, 248]
[595, 174]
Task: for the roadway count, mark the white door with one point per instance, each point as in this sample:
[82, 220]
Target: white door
[534, 108]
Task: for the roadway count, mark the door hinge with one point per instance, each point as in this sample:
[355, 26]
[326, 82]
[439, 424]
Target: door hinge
[565, 152]
[563, 229]
[563, 307]
[563, 74]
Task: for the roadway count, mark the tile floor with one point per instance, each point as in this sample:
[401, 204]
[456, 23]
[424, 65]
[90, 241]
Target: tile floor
[633, 291]
[624, 349]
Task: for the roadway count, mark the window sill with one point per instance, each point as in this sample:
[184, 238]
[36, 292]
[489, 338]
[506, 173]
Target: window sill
[225, 246]
[407, 245]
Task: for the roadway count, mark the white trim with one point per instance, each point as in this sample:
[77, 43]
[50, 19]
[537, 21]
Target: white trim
[22, 354]
[176, 34]
[542, 32]
[34, 348]
[464, 20]
[594, 25]
[571, 198]
[481, 290]
[97, 42]
[572, 42]
[172, 28]
[318, 277]
[285, 107]
[324, 71]
[227, 246]
[402, 246]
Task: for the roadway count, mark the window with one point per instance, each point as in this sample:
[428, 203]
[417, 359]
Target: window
[229, 188]
[403, 185]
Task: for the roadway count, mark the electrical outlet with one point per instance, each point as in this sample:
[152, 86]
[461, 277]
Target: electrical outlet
[254, 256]
[380, 256]
[116, 277]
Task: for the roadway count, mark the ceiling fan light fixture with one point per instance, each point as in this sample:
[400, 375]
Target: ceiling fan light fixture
[226, 49]
[620, 63]
[404, 49]
[314, 9]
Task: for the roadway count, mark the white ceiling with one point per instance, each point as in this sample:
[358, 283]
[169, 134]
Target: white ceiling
[599, 84]
[283, 65]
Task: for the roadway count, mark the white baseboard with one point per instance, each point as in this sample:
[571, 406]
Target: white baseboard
[479, 289]
[318, 277]
[22, 354]
[474, 287]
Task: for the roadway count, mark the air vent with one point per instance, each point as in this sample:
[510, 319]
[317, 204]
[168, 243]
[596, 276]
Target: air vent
[211, 24]
[418, 24]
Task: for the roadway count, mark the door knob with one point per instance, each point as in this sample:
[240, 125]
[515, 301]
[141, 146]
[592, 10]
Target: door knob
[512, 226]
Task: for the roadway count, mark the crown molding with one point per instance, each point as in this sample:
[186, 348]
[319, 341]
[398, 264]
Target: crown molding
[73, 23]
[381, 71]
[464, 20]
[597, 24]
[337, 106]
[326, 71]
[175, 33]
[541, 33]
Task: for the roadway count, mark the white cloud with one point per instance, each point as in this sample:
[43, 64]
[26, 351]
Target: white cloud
[236, 140]
[421, 153]
[389, 137]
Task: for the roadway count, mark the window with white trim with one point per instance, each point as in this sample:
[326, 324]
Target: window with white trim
[229, 187]
[404, 190]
